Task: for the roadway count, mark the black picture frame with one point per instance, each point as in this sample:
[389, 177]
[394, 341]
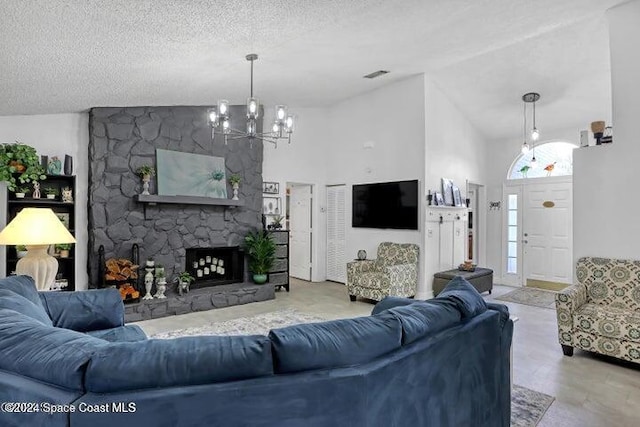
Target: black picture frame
[438, 200]
[271, 187]
[447, 193]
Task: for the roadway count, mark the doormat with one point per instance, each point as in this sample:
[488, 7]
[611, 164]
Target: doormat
[531, 296]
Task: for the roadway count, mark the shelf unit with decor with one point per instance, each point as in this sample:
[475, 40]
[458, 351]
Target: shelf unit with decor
[279, 273]
[66, 211]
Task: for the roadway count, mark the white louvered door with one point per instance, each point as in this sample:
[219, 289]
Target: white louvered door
[336, 234]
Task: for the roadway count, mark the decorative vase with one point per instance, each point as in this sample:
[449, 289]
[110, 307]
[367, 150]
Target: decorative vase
[259, 278]
[68, 164]
[148, 283]
[235, 188]
[162, 287]
[362, 254]
[145, 185]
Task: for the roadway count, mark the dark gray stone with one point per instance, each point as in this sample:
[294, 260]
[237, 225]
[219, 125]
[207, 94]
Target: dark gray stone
[149, 129]
[101, 113]
[135, 111]
[119, 231]
[120, 131]
[135, 218]
[143, 148]
[165, 224]
[121, 118]
[99, 130]
[123, 148]
[117, 164]
[129, 186]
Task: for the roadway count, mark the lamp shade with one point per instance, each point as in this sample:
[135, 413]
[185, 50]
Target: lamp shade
[35, 226]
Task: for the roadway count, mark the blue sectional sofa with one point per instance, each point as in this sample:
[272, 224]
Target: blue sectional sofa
[69, 360]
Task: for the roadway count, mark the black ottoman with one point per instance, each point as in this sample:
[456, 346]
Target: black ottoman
[481, 279]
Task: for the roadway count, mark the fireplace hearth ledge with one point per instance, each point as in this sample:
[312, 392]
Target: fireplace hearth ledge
[201, 299]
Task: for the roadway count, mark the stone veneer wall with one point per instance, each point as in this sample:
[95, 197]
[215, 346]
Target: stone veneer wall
[123, 139]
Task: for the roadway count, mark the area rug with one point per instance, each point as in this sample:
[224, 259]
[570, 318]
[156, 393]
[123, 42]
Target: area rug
[531, 296]
[527, 406]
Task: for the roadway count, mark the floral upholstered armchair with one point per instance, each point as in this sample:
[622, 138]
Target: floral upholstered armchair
[393, 273]
[601, 313]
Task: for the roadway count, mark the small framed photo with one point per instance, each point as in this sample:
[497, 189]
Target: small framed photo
[438, 199]
[271, 188]
[447, 193]
[64, 218]
[271, 206]
[457, 197]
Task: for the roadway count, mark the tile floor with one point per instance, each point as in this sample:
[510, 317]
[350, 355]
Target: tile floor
[589, 390]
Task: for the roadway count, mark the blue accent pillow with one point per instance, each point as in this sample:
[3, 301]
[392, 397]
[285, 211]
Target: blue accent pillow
[335, 343]
[390, 302]
[465, 297]
[12, 301]
[83, 311]
[51, 355]
[22, 285]
[424, 318]
[178, 362]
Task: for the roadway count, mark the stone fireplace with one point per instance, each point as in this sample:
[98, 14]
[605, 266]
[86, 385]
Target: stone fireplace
[215, 266]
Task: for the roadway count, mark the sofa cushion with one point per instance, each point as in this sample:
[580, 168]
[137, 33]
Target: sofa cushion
[22, 285]
[464, 296]
[335, 343]
[127, 333]
[13, 301]
[178, 362]
[608, 321]
[424, 318]
[390, 302]
[52, 355]
[83, 311]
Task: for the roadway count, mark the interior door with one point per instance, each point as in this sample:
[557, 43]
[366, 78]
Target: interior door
[300, 231]
[547, 232]
[336, 233]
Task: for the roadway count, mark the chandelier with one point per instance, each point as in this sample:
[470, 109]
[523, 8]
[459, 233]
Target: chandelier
[220, 119]
[530, 98]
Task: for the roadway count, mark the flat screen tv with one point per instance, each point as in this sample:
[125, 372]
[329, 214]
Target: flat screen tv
[386, 205]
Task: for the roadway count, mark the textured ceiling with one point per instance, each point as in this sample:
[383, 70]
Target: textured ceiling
[70, 55]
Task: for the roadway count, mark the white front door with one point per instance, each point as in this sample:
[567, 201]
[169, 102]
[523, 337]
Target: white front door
[547, 231]
[336, 233]
[300, 231]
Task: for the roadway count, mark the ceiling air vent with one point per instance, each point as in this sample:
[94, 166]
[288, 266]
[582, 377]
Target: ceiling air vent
[376, 74]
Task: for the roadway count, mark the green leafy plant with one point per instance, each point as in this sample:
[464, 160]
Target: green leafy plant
[19, 163]
[217, 175]
[51, 190]
[235, 179]
[62, 246]
[276, 221]
[146, 170]
[261, 250]
[21, 248]
[185, 277]
[24, 190]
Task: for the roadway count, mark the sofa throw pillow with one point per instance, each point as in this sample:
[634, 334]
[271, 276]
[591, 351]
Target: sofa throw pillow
[13, 301]
[51, 355]
[424, 318]
[335, 343]
[22, 285]
[464, 296]
[390, 302]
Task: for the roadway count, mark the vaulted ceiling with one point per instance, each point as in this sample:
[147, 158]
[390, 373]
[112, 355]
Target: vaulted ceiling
[70, 55]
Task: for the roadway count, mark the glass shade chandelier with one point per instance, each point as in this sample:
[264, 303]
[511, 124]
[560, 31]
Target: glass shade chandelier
[534, 134]
[220, 119]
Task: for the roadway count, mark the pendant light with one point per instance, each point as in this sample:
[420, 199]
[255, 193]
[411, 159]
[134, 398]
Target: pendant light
[532, 98]
[525, 146]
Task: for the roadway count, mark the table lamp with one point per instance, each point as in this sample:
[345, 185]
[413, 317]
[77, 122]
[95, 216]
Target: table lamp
[36, 228]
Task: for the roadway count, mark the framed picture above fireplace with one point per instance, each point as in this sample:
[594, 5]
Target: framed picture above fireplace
[187, 174]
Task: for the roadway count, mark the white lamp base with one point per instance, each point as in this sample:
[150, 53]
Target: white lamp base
[39, 265]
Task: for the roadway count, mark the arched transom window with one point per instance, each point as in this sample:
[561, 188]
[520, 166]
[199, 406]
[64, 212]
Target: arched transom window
[552, 159]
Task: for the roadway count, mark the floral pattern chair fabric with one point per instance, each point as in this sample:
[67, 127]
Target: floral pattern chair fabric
[394, 272]
[601, 313]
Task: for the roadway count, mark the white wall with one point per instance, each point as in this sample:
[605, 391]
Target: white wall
[606, 177]
[391, 121]
[304, 161]
[57, 135]
[455, 149]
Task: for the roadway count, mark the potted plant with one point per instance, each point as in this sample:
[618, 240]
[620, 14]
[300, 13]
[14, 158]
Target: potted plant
[21, 251]
[234, 180]
[276, 222]
[19, 163]
[146, 172]
[51, 192]
[63, 249]
[21, 192]
[261, 250]
[184, 279]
